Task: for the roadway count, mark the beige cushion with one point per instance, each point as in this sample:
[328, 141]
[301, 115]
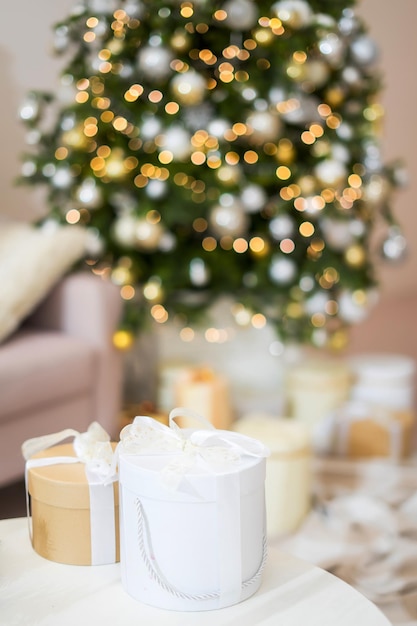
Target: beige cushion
[32, 260]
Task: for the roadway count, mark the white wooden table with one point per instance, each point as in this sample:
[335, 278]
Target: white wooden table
[293, 593]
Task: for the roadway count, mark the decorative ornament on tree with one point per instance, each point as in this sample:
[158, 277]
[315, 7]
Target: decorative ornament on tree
[394, 247]
[221, 148]
[189, 88]
[241, 14]
[228, 217]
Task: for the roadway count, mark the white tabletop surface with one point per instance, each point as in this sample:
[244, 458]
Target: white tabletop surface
[34, 591]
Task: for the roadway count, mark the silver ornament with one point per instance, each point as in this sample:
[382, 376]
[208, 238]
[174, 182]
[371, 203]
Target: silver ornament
[156, 189]
[61, 38]
[316, 72]
[62, 178]
[134, 8]
[354, 310]
[340, 152]
[364, 50]
[317, 302]
[189, 88]
[48, 170]
[177, 141]
[68, 122]
[154, 62]
[333, 49]
[319, 337]
[30, 108]
[352, 76]
[199, 273]
[167, 242]
[282, 270]
[241, 14]
[126, 70]
[324, 20]
[253, 198]
[294, 13]
[89, 194]
[102, 6]
[281, 227]
[94, 244]
[330, 172]
[123, 202]
[357, 227]
[337, 233]
[394, 248]
[305, 113]
[228, 217]
[373, 157]
[348, 23]
[249, 94]
[150, 127]
[306, 283]
[344, 131]
[33, 137]
[67, 90]
[218, 127]
[277, 95]
[263, 126]
[198, 117]
[124, 230]
[147, 235]
[28, 169]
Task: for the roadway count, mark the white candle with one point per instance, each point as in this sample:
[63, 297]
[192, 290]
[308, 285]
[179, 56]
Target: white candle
[316, 388]
[288, 469]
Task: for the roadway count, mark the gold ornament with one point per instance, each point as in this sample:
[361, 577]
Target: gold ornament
[147, 235]
[295, 310]
[75, 137]
[115, 166]
[307, 185]
[180, 41]
[355, 255]
[285, 152]
[123, 339]
[189, 88]
[263, 36]
[334, 96]
[338, 340]
[313, 71]
[229, 174]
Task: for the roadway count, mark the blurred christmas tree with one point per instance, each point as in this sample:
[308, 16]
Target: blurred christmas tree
[221, 148]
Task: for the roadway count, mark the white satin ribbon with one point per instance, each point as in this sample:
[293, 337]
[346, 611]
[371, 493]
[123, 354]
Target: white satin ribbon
[214, 450]
[93, 448]
[217, 452]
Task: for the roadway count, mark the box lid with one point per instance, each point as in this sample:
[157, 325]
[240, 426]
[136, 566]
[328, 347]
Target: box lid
[186, 464]
[63, 485]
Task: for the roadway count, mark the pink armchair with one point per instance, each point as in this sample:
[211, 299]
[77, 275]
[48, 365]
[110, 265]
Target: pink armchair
[59, 369]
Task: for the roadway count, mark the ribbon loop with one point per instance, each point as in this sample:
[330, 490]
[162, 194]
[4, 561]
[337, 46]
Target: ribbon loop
[211, 450]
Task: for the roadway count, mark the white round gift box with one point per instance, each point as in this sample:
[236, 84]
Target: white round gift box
[192, 539]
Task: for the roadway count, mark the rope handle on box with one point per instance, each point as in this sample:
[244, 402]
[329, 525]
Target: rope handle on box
[160, 579]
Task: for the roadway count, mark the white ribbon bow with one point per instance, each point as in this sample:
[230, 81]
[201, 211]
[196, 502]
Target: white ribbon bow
[93, 448]
[213, 450]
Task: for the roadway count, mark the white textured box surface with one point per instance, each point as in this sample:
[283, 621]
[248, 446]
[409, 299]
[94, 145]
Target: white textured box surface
[191, 538]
